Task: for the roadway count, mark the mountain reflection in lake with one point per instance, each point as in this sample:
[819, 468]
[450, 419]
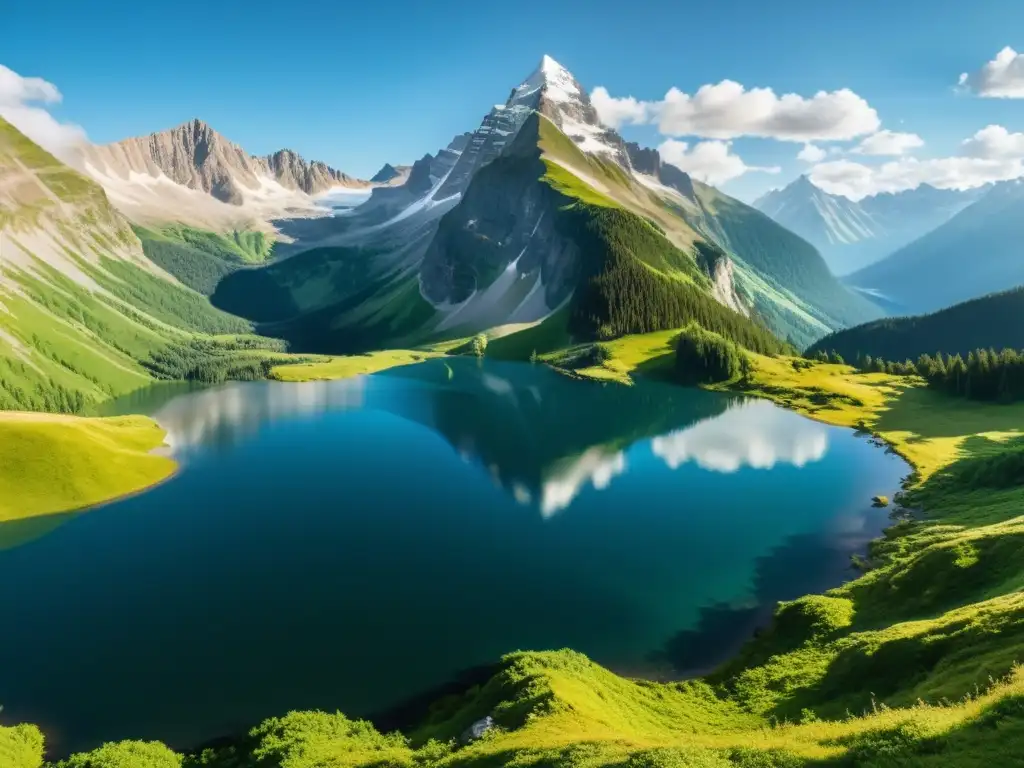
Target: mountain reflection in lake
[351, 544]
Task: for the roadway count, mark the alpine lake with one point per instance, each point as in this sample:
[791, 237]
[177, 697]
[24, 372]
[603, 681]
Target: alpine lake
[359, 545]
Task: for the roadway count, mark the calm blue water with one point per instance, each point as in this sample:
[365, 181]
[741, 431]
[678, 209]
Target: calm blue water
[350, 545]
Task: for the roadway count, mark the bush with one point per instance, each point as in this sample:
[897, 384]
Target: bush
[479, 344]
[703, 357]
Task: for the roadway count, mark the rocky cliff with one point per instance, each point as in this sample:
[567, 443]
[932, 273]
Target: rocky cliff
[198, 158]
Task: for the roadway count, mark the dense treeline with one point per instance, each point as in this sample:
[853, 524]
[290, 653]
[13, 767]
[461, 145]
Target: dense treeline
[23, 389]
[703, 357]
[620, 294]
[211, 362]
[200, 259]
[990, 321]
[170, 303]
[983, 375]
[197, 269]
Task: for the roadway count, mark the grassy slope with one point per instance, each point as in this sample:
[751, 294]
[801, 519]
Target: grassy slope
[51, 464]
[350, 365]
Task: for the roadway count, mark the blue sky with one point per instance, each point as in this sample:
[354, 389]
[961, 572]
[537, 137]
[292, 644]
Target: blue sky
[358, 84]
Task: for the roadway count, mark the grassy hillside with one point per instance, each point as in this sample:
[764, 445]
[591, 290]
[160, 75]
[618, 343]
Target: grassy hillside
[201, 259]
[995, 321]
[51, 464]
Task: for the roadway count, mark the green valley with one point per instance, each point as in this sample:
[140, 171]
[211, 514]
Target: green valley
[540, 452]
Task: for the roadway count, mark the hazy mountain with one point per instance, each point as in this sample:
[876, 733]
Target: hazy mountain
[975, 253]
[513, 223]
[851, 235]
[391, 174]
[995, 321]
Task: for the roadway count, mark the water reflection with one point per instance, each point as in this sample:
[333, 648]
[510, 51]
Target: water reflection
[754, 433]
[541, 437]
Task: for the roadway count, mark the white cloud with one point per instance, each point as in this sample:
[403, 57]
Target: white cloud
[709, 161]
[20, 100]
[856, 180]
[1001, 78]
[727, 110]
[994, 142]
[811, 154]
[618, 112]
[889, 143]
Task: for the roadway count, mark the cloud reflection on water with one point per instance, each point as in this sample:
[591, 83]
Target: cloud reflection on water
[226, 415]
[754, 434]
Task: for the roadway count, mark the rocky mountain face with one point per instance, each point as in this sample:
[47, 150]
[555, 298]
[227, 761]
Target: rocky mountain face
[292, 172]
[974, 253]
[543, 208]
[851, 235]
[647, 161]
[198, 158]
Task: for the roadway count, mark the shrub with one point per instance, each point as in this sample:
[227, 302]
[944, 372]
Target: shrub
[703, 357]
[479, 344]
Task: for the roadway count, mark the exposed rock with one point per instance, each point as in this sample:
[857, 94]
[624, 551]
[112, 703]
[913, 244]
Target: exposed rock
[385, 174]
[648, 161]
[197, 157]
[477, 730]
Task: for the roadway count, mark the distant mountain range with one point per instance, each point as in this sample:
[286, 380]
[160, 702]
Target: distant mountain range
[995, 321]
[852, 235]
[978, 251]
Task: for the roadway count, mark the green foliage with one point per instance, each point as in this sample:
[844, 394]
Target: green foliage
[212, 361]
[985, 375]
[623, 292]
[179, 307]
[125, 754]
[991, 321]
[319, 739]
[479, 344]
[678, 757]
[21, 747]
[703, 357]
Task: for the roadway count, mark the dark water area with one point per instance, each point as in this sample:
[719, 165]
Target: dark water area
[355, 545]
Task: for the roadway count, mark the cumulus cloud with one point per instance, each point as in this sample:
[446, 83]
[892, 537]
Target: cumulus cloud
[712, 162]
[22, 101]
[616, 113]
[811, 154]
[889, 143]
[728, 110]
[1001, 78]
[857, 180]
[994, 142]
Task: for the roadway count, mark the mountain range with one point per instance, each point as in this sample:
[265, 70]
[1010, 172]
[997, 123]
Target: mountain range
[852, 235]
[541, 225]
[976, 252]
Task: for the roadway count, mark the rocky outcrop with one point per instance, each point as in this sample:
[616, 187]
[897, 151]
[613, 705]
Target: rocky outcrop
[648, 161]
[717, 265]
[292, 172]
[503, 230]
[197, 157]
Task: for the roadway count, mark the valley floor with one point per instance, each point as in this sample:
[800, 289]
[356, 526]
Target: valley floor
[915, 663]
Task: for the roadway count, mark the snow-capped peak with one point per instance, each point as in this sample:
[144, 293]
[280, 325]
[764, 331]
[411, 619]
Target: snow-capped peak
[556, 81]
